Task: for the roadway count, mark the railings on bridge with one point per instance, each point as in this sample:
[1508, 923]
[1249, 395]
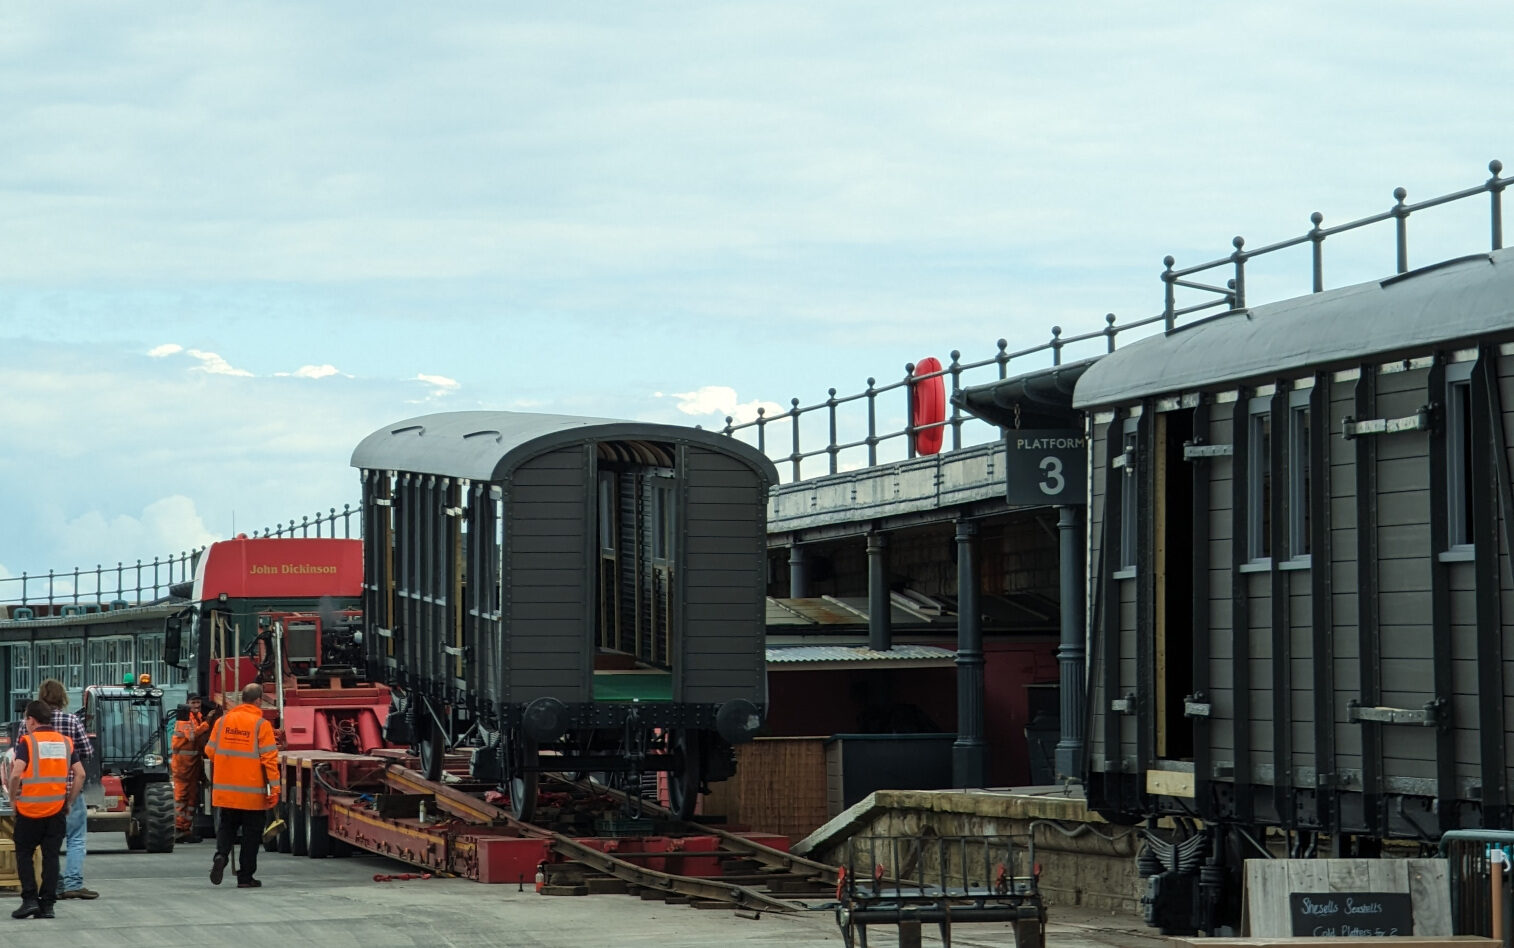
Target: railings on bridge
[129, 584]
[845, 443]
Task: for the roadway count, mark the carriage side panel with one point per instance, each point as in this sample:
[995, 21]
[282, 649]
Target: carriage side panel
[724, 569]
[547, 579]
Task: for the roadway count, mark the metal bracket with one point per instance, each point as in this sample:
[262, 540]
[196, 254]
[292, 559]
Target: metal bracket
[1197, 706]
[382, 502]
[1192, 450]
[452, 650]
[383, 632]
[1419, 421]
[1121, 460]
[1125, 705]
[1431, 715]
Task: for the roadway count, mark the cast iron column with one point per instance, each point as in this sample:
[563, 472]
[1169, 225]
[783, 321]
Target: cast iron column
[969, 752]
[880, 631]
[799, 580]
[1070, 654]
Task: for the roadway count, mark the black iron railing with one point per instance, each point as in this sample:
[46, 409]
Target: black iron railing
[861, 439]
[129, 584]
[1232, 295]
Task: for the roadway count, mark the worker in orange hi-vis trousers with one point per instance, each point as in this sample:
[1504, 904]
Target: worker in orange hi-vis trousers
[188, 745]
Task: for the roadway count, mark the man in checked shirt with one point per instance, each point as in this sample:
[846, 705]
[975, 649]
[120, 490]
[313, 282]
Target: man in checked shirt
[52, 694]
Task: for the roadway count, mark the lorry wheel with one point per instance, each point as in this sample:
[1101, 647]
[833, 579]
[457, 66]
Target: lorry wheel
[298, 841]
[317, 832]
[284, 841]
[159, 830]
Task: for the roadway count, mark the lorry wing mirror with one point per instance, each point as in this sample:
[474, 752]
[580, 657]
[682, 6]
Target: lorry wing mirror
[173, 640]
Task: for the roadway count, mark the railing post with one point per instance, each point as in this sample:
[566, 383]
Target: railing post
[76, 585]
[1056, 345]
[762, 434]
[1169, 307]
[1495, 194]
[832, 449]
[956, 371]
[304, 526]
[795, 458]
[1238, 298]
[1109, 330]
[872, 422]
[1317, 240]
[1003, 358]
[139, 580]
[1401, 220]
[347, 521]
[23, 587]
[909, 409]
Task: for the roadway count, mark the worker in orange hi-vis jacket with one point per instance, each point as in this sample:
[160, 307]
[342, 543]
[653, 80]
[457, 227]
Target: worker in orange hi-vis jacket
[188, 745]
[244, 780]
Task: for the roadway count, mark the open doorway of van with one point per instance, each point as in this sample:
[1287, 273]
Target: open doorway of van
[1173, 566]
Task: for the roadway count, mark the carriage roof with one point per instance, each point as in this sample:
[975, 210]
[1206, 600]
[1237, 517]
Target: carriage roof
[489, 445]
[1463, 299]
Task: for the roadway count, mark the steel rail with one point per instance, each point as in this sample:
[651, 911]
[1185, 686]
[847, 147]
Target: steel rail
[468, 807]
[764, 853]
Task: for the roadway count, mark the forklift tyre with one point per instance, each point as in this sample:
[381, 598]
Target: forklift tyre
[159, 830]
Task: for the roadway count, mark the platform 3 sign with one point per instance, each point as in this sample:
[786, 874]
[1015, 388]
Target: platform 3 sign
[1352, 914]
[1046, 466]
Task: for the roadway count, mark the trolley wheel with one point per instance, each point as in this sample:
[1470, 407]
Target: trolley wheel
[683, 782]
[430, 743]
[519, 774]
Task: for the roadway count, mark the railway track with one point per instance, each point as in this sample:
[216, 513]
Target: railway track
[751, 875]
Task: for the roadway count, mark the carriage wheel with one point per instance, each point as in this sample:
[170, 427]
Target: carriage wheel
[683, 781]
[519, 775]
[430, 743]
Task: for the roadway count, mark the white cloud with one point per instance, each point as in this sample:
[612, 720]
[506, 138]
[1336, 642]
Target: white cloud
[316, 371]
[721, 400]
[166, 349]
[213, 364]
[438, 386]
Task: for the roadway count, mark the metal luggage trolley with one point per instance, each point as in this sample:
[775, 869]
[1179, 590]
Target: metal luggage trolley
[907, 880]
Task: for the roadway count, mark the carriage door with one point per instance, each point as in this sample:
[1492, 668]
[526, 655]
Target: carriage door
[1172, 570]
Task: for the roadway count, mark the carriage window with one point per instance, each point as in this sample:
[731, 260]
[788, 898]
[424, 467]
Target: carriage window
[606, 512]
[1259, 481]
[1129, 496]
[662, 522]
[1298, 474]
[1459, 455]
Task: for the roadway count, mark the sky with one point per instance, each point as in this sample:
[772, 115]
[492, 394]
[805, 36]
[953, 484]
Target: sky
[235, 239]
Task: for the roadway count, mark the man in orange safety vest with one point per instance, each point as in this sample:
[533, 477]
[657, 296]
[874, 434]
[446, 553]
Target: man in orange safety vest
[40, 789]
[187, 746]
[244, 780]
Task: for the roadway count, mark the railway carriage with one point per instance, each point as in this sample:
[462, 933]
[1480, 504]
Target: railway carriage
[567, 594]
[1300, 532]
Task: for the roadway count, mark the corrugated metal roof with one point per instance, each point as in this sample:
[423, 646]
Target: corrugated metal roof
[853, 611]
[919, 656]
[488, 445]
[1463, 299]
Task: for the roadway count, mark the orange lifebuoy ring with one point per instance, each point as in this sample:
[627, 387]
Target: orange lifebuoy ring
[927, 405]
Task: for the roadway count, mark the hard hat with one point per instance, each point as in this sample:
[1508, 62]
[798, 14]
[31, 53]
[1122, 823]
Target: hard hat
[144, 679]
[128, 679]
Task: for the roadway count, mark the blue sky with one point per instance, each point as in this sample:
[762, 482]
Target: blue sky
[238, 238]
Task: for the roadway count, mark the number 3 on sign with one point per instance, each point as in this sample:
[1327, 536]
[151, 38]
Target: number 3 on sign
[1052, 482]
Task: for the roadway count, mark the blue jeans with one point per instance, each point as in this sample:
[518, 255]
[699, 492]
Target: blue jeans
[77, 829]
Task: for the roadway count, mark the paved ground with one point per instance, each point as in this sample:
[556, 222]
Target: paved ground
[159, 901]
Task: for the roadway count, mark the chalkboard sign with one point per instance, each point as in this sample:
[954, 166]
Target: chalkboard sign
[1352, 914]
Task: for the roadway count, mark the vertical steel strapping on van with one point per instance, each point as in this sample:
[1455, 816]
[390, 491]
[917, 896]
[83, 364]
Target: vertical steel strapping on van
[1440, 612]
[1322, 606]
[1240, 620]
[1203, 760]
[1113, 502]
[1281, 650]
[1487, 438]
[1369, 655]
[1145, 593]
